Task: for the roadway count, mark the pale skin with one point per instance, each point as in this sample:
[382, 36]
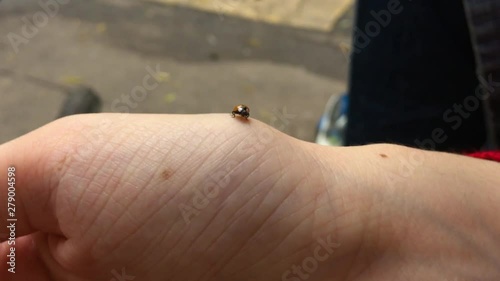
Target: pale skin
[100, 195]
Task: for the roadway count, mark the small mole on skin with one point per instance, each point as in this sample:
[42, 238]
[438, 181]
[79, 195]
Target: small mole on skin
[166, 174]
[383, 155]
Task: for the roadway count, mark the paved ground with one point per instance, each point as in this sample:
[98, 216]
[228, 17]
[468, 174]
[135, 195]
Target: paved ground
[312, 14]
[208, 63]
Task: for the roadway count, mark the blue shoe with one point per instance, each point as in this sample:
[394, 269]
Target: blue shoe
[333, 122]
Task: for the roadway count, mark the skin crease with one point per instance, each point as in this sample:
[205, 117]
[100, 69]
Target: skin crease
[100, 195]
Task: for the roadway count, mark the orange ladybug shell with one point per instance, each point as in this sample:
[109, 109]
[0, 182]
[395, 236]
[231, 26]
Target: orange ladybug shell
[241, 110]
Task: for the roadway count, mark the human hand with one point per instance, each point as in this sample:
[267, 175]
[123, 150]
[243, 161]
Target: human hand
[208, 197]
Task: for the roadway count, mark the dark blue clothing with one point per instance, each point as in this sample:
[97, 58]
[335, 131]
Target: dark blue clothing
[414, 75]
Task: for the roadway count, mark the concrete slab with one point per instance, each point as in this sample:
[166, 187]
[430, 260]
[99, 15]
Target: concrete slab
[308, 14]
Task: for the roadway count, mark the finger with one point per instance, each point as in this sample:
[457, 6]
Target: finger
[23, 263]
[26, 187]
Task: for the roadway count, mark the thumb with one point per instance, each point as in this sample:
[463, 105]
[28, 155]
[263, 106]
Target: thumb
[27, 201]
[26, 183]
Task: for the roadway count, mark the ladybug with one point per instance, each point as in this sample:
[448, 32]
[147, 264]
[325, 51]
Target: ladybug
[241, 110]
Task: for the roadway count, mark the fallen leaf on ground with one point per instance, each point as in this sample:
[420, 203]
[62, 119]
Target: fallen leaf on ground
[162, 76]
[72, 80]
[101, 27]
[254, 42]
[170, 97]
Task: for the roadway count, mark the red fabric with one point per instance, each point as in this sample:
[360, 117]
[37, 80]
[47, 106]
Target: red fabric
[487, 155]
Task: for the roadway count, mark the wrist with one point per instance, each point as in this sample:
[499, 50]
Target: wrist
[419, 203]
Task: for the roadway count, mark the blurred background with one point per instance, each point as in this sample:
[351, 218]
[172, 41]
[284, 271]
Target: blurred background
[284, 59]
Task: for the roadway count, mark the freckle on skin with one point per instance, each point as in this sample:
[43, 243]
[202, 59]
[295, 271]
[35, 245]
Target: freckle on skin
[383, 155]
[166, 174]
